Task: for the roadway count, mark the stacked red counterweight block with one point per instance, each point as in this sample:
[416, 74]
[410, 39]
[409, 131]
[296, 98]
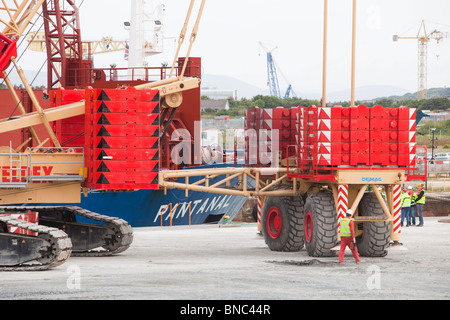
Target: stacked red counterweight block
[262, 123]
[341, 137]
[119, 133]
[122, 138]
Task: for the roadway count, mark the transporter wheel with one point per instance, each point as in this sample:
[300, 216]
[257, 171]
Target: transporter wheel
[282, 223]
[320, 224]
[376, 234]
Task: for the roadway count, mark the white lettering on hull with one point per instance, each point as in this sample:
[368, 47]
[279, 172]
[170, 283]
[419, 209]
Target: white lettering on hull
[206, 205]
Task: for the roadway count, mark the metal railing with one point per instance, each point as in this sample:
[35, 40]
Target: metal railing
[307, 166]
[21, 168]
[58, 176]
[15, 175]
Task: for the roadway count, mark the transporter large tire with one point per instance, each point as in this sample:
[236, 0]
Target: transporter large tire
[282, 223]
[376, 234]
[320, 224]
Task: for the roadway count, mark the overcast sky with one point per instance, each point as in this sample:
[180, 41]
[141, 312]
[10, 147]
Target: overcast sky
[230, 31]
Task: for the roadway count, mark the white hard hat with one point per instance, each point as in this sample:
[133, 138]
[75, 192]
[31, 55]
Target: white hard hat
[379, 188]
[409, 188]
[349, 212]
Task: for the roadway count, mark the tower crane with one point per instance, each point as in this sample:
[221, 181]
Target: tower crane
[272, 77]
[423, 39]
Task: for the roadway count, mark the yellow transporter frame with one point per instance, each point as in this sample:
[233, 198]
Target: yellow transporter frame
[275, 182]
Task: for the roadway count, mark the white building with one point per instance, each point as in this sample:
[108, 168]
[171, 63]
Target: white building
[216, 105]
[215, 94]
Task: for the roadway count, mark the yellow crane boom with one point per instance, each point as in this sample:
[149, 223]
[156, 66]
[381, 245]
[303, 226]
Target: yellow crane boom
[20, 14]
[104, 45]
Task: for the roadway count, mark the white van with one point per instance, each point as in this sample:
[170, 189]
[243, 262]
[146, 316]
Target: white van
[442, 156]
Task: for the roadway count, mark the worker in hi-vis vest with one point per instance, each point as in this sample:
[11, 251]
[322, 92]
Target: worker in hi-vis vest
[347, 233]
[419, 199]
[405, 200]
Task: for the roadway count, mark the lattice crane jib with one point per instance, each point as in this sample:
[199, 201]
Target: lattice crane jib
[423, 38]
[17, 16]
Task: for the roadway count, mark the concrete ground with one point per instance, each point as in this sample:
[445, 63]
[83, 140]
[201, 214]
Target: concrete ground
[208, 262]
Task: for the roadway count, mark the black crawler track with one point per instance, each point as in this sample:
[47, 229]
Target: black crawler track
[53, 246]
[104, 237]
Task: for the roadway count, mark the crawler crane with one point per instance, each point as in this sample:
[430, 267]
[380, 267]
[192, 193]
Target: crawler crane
[38, 237]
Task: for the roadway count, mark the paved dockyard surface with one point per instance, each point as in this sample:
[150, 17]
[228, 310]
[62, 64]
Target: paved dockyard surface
[212, 262]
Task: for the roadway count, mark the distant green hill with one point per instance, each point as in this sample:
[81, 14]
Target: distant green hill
[432, 93]
[438, 99]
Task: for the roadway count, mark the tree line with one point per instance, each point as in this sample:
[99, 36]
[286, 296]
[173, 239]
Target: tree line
[237, 107]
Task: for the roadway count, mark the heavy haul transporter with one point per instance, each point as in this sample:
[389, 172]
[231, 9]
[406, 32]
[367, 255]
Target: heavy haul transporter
[310, 164]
